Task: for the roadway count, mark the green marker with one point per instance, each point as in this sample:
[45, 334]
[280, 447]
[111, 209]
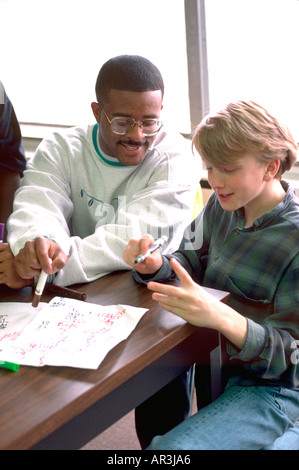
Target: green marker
[9, 366]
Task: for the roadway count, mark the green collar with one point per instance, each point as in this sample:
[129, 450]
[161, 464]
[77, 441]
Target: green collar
[96, 146]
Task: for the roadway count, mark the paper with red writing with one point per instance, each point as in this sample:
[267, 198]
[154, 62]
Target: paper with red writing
[66, 332]
[14, 317]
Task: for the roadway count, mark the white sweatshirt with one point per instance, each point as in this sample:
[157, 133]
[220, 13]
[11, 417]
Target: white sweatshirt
[74, 194]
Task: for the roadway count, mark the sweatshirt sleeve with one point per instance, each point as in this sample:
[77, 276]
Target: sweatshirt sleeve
[158, 209]
[46, 203]
[42, 205]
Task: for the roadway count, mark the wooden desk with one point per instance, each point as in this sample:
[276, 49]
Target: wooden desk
[64, 408]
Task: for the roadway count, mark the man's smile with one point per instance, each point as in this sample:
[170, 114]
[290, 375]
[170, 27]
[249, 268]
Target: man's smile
[131, 146]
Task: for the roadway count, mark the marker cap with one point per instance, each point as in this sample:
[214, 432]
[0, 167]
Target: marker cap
[9, 366]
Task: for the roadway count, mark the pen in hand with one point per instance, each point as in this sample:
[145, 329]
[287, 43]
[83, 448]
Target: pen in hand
[155, 246]
[39, 287]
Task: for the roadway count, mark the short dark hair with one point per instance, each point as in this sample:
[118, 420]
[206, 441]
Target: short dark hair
[128, 73]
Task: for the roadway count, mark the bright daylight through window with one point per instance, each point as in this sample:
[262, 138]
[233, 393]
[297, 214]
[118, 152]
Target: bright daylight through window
[54, 49]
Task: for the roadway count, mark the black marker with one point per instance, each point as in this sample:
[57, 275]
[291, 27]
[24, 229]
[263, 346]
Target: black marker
[155, 246]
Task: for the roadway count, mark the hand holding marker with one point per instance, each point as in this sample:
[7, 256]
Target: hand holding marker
[39, 287]
[155, 246]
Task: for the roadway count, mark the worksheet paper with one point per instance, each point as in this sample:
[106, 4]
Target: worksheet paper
[64, 332]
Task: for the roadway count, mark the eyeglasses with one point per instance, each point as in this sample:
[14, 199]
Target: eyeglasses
[122, 125]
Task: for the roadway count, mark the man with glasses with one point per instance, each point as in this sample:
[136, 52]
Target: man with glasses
[87, 191]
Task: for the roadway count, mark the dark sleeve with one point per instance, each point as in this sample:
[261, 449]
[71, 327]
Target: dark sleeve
[271, 349]
[12, 155]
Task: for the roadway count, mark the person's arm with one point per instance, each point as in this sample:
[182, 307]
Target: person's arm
[9, 182]
[192, 252]
[195, 305]
[8, 272]
[266, 345]
[189, 301]
[271, 348]
[39, 254]
[48, 198]
[12, 156]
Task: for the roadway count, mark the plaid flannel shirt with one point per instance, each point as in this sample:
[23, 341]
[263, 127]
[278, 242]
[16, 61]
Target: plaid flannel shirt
[259, 266]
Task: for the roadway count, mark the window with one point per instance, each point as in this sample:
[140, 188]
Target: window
[55, 48]
[52, 51]
[252, 50]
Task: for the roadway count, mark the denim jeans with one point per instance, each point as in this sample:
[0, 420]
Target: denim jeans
[242, 418]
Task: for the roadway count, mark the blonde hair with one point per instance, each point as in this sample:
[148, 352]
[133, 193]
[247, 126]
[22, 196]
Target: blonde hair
[244, 127]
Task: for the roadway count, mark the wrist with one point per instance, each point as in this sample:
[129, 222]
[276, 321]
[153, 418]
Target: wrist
[233, 326]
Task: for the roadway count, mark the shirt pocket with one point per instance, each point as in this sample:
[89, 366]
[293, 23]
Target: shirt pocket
[252, 304]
